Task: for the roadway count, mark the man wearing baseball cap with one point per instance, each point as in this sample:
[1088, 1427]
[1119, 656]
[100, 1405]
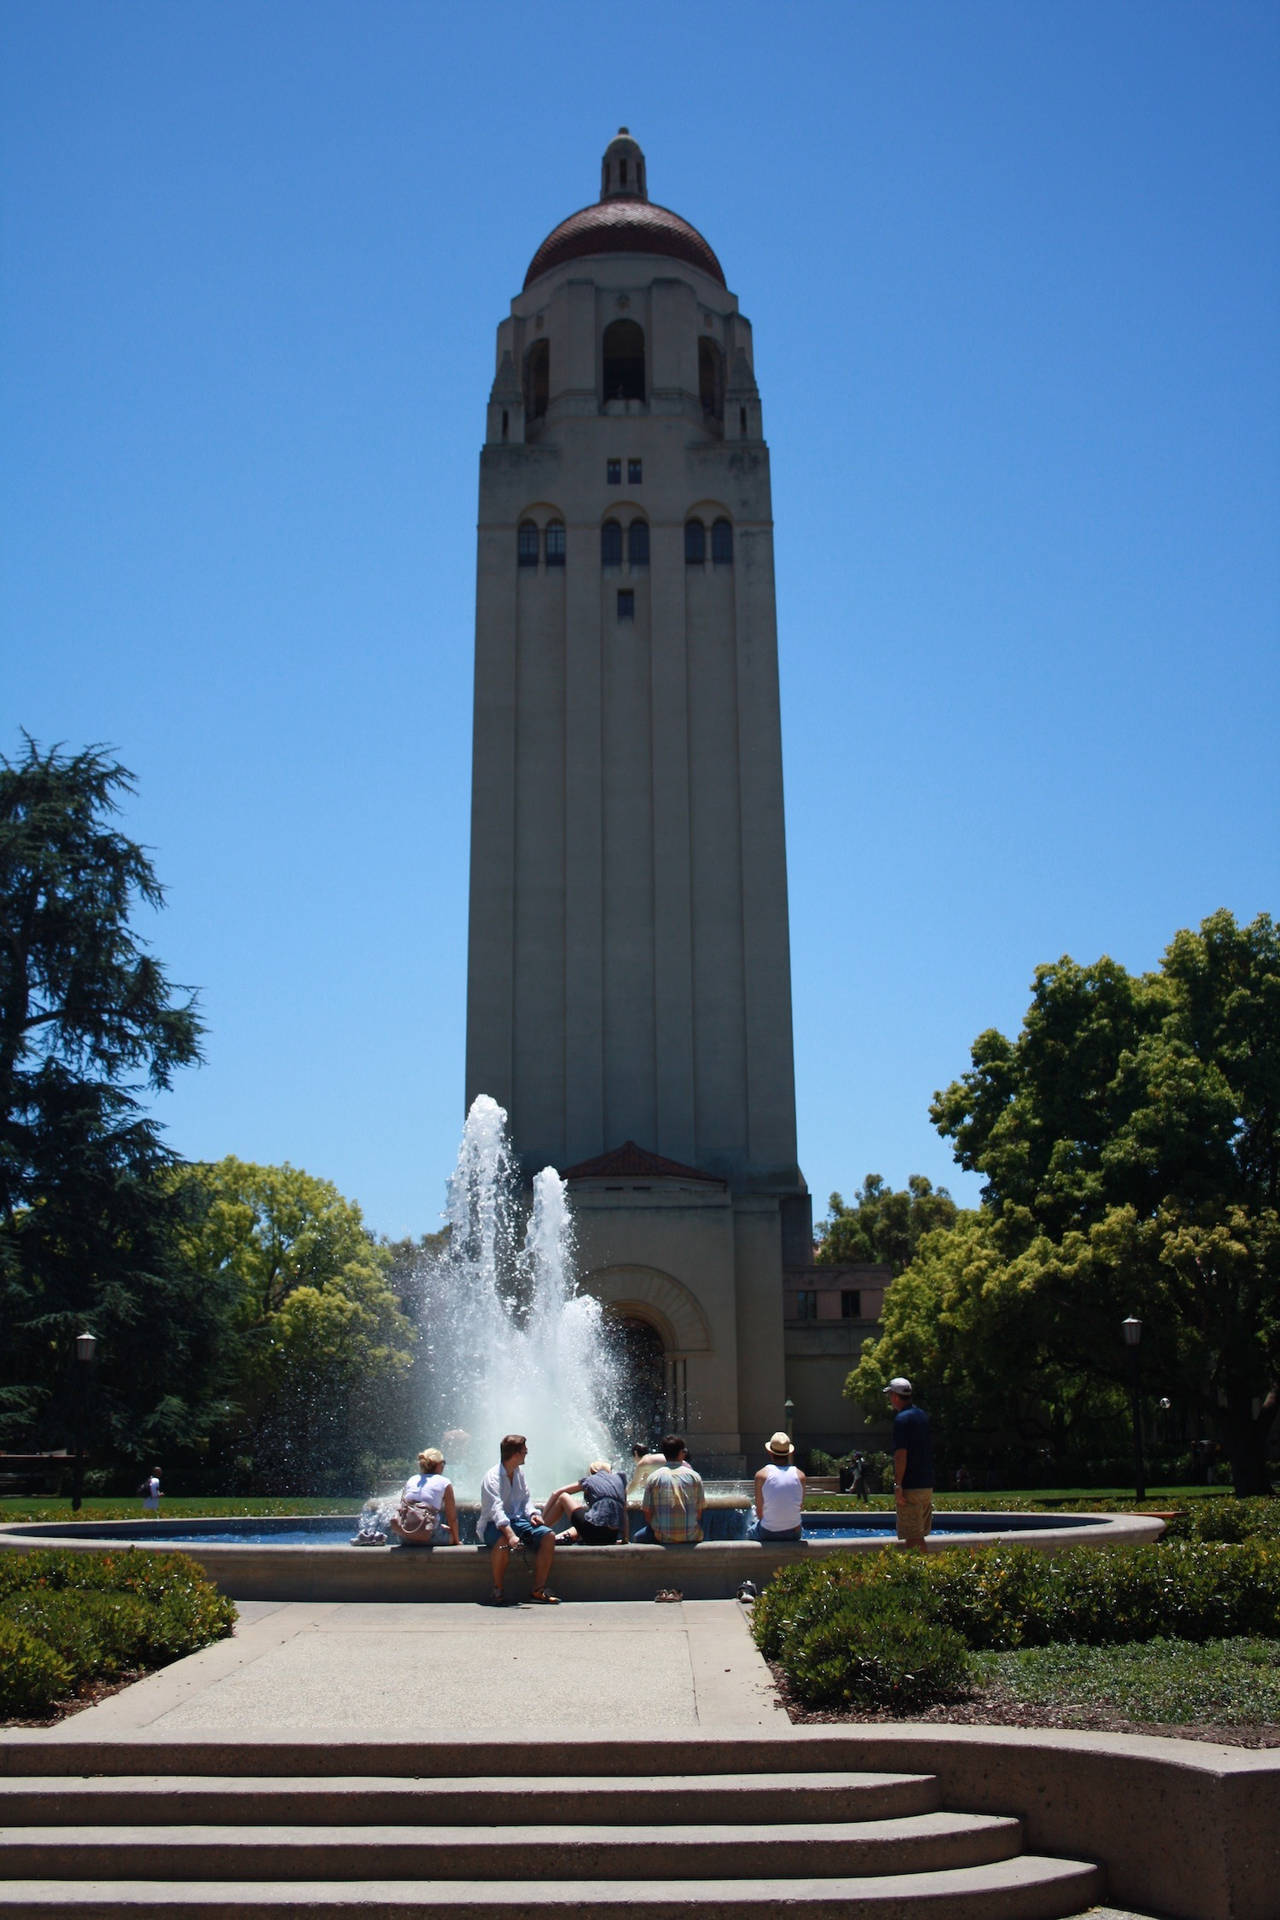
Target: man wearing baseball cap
[912, 1466]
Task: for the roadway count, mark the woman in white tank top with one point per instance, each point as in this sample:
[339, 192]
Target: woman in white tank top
[779, 1494]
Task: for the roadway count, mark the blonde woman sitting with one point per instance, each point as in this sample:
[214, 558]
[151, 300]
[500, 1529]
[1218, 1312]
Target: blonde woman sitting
[426, 1501]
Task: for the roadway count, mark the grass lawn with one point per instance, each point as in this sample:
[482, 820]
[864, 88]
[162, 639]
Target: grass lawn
[1089, 1499]
[15, 1507]
[1177, 1683]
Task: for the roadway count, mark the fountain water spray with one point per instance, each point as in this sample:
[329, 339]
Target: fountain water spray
[509, 1343]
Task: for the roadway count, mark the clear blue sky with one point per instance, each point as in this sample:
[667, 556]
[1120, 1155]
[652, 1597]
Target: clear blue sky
[1013, 271]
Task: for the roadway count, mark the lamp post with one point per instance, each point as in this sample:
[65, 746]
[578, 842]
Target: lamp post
[85, 1344]
[1132, 1331]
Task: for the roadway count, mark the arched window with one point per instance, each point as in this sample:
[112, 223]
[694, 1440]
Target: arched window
[555, 543]
[537, 380]
[695, 543]
[611, 544]
[711, 378]
[638, 543]
[527, 544]
[721, 544]
[623, 360]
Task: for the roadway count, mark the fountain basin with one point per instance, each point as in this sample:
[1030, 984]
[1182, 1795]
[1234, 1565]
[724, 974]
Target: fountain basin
[313, 1565]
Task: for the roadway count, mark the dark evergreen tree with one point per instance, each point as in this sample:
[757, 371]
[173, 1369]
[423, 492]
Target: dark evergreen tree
[88, 1023]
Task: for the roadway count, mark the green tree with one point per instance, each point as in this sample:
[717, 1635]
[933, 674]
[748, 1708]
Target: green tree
[883, 1224]
[1130, 1142]
[316, 1341]
[88, 1023]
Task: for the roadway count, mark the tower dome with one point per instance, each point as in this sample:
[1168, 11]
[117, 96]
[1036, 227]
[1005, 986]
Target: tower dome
[624, 220]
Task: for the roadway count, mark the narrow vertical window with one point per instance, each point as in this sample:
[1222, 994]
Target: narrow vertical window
[626, 604]
[611, 544]
[711, 378]
[555, 543]
[537, 379]
[695, 543]
[638, 543]
[722, 544]
[527, 544]
[623, 361]
[742, 421]
[635, 472]
[850, 1305]
[506, 423]
[613, 473]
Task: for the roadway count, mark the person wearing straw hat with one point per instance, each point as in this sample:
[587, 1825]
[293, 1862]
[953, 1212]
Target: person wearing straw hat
[779, 1494]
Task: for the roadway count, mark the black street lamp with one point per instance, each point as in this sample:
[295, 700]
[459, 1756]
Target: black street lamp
[85, 1344]
[1132, 1330]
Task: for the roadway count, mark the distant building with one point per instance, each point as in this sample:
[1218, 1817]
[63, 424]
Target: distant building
[629, 979]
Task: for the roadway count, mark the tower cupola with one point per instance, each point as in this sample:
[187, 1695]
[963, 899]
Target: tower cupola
[622, 169]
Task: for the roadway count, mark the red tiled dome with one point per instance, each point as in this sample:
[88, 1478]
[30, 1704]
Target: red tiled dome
[619, 225]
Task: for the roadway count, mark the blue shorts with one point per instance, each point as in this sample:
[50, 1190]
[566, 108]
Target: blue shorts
[528, 1534]
[769, 1539]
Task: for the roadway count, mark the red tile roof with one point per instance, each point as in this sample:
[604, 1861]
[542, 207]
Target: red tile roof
[620, 225]
[630, 1162]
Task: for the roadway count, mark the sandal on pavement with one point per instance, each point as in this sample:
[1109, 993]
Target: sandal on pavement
[542, 1598]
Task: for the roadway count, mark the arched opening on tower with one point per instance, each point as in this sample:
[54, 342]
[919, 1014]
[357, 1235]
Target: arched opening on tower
[711, 379]
[623, 361]
[641, 1358]
[537, 380]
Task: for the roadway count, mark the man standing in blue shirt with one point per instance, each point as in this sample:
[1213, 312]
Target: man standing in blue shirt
[912, 1466]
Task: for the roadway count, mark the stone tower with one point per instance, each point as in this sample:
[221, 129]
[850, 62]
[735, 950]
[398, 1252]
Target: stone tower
[629, 987]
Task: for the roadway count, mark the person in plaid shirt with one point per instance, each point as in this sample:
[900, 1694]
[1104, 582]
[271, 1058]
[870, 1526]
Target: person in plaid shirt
[674, 1498]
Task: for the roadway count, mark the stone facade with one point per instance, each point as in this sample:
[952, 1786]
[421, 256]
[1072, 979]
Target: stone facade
[629, 965]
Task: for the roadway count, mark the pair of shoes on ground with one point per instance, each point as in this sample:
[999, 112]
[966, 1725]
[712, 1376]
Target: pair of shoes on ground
[540, 1598]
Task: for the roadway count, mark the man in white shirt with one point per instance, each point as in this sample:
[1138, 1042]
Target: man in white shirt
[507, 1520]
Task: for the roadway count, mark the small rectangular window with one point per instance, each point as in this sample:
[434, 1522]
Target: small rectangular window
[806, 1305]
[555, 543]
[850, 1305]
[635, 472]
[626, 604]
[527, 544]
[613, 473]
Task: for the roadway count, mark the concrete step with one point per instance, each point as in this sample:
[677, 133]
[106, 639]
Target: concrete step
[1028, 1888]
[325, 1800]
[914, 1843]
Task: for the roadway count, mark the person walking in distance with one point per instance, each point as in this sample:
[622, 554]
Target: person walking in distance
[912, 1466]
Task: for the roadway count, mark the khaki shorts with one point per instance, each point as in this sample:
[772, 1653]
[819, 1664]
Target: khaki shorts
[915, 1513]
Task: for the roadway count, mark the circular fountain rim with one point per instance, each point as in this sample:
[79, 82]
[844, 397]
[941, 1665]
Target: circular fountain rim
[713, 1569]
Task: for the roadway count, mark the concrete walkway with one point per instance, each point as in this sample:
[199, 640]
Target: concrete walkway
[392, 1668]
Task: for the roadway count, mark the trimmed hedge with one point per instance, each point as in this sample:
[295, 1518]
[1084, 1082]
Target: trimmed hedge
[67, 1618]
[823, 1621]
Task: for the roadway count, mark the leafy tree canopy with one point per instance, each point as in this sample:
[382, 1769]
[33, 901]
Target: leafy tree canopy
[883, 1224]
[88, 1021]
[315, 1337]
[1130, 1141]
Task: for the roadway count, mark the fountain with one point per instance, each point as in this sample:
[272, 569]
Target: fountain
[510, 1345]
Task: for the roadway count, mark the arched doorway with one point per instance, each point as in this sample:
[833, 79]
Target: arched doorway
[641, 1357]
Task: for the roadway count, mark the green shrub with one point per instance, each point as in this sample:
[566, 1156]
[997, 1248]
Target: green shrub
[97, 1635]
[874, 1655]
[98, 1615]
[1252, 1519]
[1001, 1599]
[32, 1676]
